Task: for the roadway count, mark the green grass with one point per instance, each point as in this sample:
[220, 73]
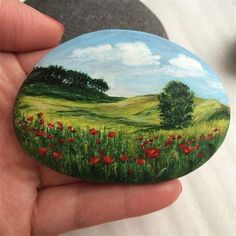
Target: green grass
[136, 125]
[75, 157]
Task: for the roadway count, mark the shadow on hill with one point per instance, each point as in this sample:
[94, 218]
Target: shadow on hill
[72, 94]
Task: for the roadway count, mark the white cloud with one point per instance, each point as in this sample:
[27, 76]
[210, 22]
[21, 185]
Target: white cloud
[183, 66]
[131, 54]
[215, 84]
[187, 63]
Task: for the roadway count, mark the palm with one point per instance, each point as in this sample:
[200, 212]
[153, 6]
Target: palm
[21, 177]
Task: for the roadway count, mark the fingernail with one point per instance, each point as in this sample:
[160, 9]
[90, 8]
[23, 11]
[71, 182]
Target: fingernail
[57, 22]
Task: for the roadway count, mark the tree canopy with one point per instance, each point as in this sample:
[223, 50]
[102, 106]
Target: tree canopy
[57, 75]
[176, 105]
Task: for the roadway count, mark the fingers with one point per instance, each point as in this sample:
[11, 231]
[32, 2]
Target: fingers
[52, 178]
[61, 209]
[28, 60]
[26, 29]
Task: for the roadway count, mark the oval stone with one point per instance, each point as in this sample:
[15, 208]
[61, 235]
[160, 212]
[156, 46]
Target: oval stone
[121, 106]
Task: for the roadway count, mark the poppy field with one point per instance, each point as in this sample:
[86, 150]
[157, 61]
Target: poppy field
[110, 155]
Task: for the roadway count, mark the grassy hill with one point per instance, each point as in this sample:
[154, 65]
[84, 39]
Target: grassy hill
[126, 113]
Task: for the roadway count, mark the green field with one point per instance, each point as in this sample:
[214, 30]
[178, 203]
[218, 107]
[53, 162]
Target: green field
[128, 114]
[138, 135]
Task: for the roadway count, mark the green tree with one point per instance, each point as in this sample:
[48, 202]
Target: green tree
[176, 105]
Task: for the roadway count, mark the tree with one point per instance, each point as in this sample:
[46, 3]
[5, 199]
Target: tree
[57, 75]
[176, 105]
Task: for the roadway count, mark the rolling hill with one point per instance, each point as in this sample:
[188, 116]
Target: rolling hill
[132, 113]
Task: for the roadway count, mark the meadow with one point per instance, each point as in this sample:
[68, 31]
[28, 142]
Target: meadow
[118, 140]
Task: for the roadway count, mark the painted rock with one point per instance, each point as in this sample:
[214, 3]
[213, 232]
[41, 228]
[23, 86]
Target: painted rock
[121, 106]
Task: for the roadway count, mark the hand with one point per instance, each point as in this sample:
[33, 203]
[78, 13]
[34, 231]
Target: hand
[34, 199]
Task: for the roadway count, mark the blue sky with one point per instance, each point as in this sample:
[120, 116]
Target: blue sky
[135, 63]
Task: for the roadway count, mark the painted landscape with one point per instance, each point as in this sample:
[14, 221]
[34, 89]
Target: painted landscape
[67, 121]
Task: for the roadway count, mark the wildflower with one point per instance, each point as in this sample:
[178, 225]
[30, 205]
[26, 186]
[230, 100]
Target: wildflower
[52, 145]
[94, 160]
[93, 131]
[50, 136]
[41, 121]
[200, 155]
[98, 141]
[168, 142]
[57, 155]
[140, 162]
[124, 158]
[30, 118]
[62, 140]
[42, 151]
[152, 152]
[107, 160]
[72, 130]
[70, 140]
[50, 125]
[40, 133]
[111, 134]
[40, 114]
[185, 148]
[179, 137]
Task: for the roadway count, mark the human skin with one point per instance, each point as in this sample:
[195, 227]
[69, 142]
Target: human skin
[35, 200]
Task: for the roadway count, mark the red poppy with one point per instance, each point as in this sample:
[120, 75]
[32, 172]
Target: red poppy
[124, 158]
[168, 142]
[50, 136]
[57, 155]
[39, 114]
[141, 162]
[42, 151]
[93, 131]
[140, 138]
[185, 148]
[52, 145]
[111, 134]
[40, 133]
[30, 118]
[152, 152]
[73, 130]
[210, 137]
[50, 125]
[41, 121]
[189, 142]
[107, 160]
[98, 141]
[179, 137]
[70, 140]
[62, 140]
[142, 146]
[59, 125]
[200, 154]
[94, 160]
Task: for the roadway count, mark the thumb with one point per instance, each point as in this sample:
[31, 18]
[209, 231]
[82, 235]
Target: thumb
[23, 28]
